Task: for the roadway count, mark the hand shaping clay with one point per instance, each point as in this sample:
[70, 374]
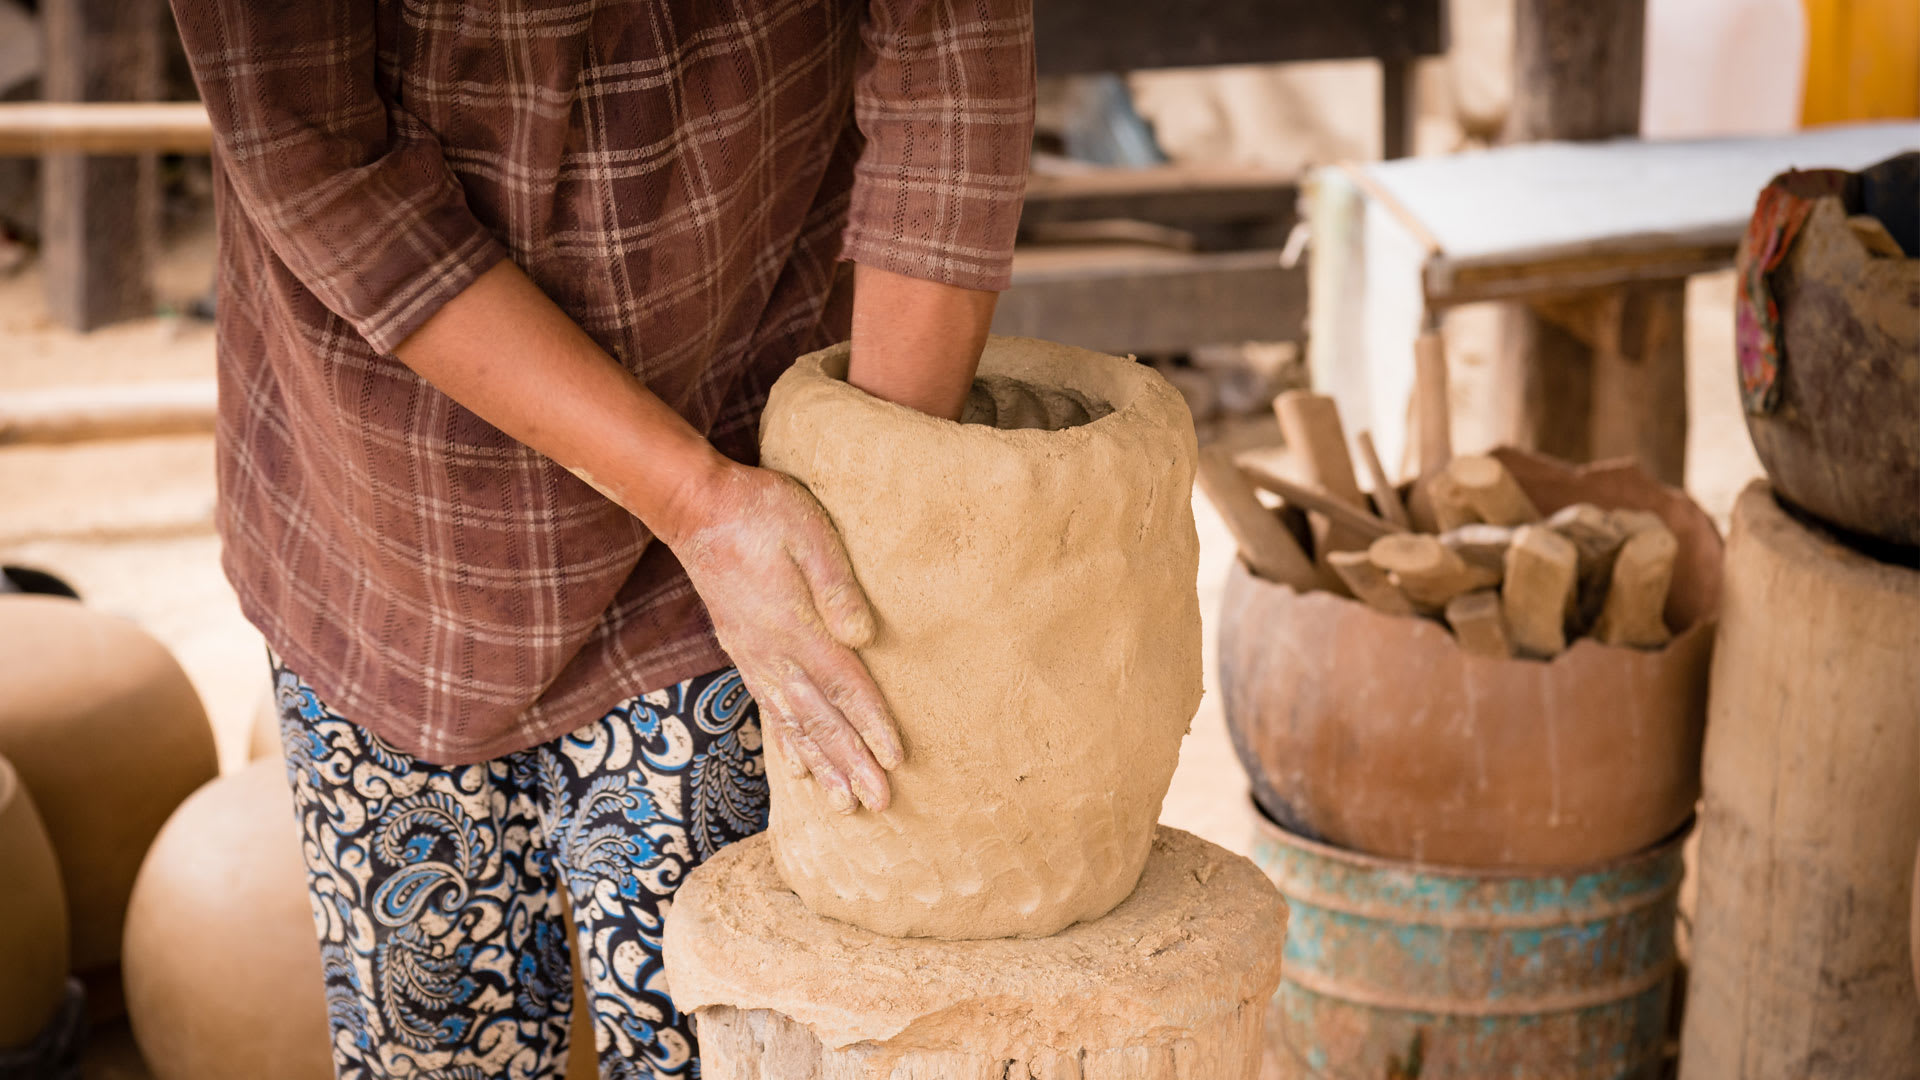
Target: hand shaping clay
[109, 736]
[33, 918]
[1039, 640]
[222, 966]
[1173, 982]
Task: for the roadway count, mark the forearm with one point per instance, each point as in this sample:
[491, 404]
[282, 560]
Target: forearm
[916, 343]
[505, 351]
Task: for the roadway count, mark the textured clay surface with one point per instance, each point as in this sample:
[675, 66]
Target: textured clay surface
[1194, 951]
[1039, 639]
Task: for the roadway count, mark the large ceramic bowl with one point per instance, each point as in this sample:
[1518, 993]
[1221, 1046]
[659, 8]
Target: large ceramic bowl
[1380, 734]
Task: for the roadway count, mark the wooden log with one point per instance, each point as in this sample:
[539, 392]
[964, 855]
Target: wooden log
[1542, 573]
[1369, 583]
[1491, 491]
[1811, 813]
[1480, 545]
[1637, 592]
[1426, 571]
[1173, 982]
[1310, 424]
[99, 215]
[1478, 623]
[1438, 504]
[1597, 536]
[1433, 422]
[1266, 545]
[1359, 522]
[1386, 496]
[29, 128]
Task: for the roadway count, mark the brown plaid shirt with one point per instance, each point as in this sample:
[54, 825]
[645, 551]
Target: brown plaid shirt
[683, 177]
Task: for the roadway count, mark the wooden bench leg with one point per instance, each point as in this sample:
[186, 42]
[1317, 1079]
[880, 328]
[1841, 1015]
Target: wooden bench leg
[99, 214]
[1600, 375]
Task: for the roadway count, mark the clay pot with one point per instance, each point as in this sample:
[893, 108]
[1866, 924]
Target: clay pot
[263, 734]
[1913, 931]
[222, 967]
[1379, 734]
[1038, 638]
[33, 918]
[109, 736]
[1844, 442]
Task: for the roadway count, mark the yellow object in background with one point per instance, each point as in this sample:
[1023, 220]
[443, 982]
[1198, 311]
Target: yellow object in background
[1863, 60]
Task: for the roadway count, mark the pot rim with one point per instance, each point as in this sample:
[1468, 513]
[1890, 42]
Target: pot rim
[1659, 849]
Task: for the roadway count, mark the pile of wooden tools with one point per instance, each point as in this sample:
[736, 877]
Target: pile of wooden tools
[1466, 545]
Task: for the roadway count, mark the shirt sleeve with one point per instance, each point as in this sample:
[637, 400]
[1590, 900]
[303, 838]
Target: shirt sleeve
[351, 190]
[944, 97]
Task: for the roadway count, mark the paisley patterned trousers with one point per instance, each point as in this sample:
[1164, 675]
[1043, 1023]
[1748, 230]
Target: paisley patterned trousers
[436, 891]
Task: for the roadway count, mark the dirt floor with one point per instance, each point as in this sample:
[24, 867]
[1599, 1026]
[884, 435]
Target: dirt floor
[128, 522]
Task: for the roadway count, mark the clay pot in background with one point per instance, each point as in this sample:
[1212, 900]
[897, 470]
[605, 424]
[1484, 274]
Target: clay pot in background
[33, 918]
[1844, 441]
[1038, 638]
[1379, 734]
[109, 736]
[263, 734]
[222, 967]
[1913, 932]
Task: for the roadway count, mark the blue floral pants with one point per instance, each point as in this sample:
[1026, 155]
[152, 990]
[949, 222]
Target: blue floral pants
[436, 891]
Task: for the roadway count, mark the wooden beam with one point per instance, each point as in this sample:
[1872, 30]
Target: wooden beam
[1080, 37]
[99, 214]
[30, 128]
[1120, 300]
[134, 410]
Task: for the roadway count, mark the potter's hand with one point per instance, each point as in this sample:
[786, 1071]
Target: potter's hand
[767, 561]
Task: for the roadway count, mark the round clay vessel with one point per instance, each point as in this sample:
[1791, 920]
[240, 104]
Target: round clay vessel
[1913, 930]
[1038, 638]
[1379, 734]
[109, 736]
[222, 966]
[1844, 442]
[33, 918]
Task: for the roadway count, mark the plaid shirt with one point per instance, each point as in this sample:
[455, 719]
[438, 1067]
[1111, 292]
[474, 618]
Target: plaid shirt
[682, 177]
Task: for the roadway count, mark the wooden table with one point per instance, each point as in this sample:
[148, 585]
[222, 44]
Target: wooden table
[1570, 228]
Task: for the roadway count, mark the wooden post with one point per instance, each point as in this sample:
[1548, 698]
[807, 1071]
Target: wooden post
[1812, 809]
[99, 214]
[1621, 390]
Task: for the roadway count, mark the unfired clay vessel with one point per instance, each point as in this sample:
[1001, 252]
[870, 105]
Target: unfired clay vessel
[222, 966]
[1380, 734]
[109, 736]
[1039, 638]
[33, 918]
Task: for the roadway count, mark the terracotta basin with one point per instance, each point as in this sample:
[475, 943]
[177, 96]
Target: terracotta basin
[1844, 442]
[33, 918]
[1377, 733]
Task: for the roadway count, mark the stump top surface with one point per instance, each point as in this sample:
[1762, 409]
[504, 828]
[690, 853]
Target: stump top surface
[1204, 926]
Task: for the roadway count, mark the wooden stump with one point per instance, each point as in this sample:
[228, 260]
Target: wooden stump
[1812, 812]
[1172, 983]
[1600, 374]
